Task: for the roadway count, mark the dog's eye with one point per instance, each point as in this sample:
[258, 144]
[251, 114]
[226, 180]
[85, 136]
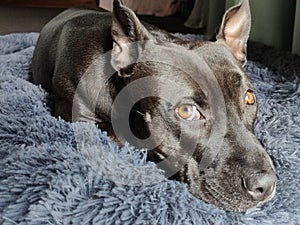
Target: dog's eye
[250, 98]
[188, 112]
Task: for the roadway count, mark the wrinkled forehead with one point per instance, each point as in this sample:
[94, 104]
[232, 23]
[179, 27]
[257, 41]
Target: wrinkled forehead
[179, 71]
[177, 62]
[221, 61]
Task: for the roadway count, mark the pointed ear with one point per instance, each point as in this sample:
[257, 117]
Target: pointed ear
[235, 29]
[126, 32]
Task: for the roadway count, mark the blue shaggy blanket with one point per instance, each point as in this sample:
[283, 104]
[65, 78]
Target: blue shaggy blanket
[55, 172]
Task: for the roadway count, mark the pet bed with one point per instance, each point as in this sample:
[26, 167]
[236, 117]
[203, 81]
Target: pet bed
[55, 172]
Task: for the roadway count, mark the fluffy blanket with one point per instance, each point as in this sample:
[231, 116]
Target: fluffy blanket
[55, 172]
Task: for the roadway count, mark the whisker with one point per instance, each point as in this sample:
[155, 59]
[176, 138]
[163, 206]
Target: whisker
[134, 110]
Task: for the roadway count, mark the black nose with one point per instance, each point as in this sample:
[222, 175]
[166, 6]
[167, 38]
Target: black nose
[260, 186]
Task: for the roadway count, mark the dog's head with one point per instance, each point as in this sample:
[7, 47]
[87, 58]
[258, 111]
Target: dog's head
[193, 105]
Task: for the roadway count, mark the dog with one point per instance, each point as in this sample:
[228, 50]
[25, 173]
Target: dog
[200, 108]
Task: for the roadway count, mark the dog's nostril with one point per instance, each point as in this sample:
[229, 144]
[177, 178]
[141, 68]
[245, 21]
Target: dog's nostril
[260, 186]
[259, 190]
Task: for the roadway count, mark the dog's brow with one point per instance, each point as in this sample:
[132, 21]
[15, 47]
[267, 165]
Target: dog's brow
[201, 99]
[235, 78]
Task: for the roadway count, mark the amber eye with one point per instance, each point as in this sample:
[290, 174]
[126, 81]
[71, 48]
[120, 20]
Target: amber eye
[250, 98]
[188, 112]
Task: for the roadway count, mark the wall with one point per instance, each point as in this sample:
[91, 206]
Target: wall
[213, 17]
[296, 43]
[24, 19]
[273, 22]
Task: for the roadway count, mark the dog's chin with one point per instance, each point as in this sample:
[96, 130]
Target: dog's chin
[233, 201]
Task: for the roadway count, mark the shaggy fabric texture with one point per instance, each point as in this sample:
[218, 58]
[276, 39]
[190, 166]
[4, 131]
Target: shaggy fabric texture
[55, 172]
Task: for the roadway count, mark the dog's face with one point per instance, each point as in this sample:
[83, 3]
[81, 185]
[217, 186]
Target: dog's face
[196, 108]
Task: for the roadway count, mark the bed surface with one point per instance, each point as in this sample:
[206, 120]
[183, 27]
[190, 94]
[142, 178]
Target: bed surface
[54, 172]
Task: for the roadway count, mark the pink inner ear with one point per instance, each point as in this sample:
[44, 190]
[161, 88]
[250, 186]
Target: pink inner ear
[238, 24]
[126, 32]
[122, 54]
[235, 29]
[238, 47]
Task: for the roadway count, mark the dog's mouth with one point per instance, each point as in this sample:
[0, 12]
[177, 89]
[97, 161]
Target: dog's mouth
[229, 199]
[217, 195]
[228, 191]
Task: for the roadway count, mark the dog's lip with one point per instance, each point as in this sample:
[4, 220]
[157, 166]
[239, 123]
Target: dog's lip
[237, 202]
[217, 197]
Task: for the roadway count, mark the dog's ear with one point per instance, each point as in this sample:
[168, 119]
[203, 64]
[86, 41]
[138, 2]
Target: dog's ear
[127, 33]
[235, 29]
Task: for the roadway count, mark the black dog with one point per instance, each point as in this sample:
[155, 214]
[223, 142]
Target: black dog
[191, 102]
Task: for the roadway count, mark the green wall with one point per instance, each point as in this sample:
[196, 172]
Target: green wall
[296, 42]
[230, 3]
[215, 9]
[273, 22]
